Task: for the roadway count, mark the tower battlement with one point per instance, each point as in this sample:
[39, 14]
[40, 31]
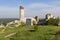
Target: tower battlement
[21, 7]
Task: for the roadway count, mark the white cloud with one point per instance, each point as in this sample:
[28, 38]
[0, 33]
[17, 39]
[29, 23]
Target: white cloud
[41, 9]
[9, 12]
[39, 5]
[55, 3]
[32, 9]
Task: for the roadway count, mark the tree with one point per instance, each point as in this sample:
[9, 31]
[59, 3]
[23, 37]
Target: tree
[52, 21]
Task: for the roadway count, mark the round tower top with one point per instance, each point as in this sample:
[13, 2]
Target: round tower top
[21, 7]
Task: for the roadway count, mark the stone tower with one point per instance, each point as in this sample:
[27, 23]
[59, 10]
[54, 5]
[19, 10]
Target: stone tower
[21, 12]
[22, 18]
[49, 16]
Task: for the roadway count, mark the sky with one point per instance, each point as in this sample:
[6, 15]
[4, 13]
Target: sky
[10, 8]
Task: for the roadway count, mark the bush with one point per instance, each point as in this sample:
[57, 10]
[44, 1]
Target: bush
[52, 22]
[35, 27]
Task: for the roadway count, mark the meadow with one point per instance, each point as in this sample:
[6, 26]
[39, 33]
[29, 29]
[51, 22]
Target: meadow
[45, 32]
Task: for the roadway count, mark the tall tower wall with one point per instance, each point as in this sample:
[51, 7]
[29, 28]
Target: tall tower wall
[22, 17]
[21, 12]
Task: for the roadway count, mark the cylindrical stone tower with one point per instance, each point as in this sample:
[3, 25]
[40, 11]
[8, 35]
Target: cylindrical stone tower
[21, 12]
[22, 18]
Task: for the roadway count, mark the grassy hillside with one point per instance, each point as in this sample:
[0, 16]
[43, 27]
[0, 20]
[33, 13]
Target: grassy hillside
[29, 33]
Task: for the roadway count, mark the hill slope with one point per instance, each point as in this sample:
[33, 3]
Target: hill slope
[29, 33]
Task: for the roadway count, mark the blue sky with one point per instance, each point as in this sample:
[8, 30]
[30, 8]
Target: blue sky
[10, 8]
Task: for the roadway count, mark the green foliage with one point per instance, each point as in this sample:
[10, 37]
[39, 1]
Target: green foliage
[52, 22]
[24, 33]
[16, 36]
[35, 27]
[7, 20]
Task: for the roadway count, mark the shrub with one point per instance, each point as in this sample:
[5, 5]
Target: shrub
[35, 27]
[52, 22]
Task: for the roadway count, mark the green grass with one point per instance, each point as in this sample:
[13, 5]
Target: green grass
[28, 33]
